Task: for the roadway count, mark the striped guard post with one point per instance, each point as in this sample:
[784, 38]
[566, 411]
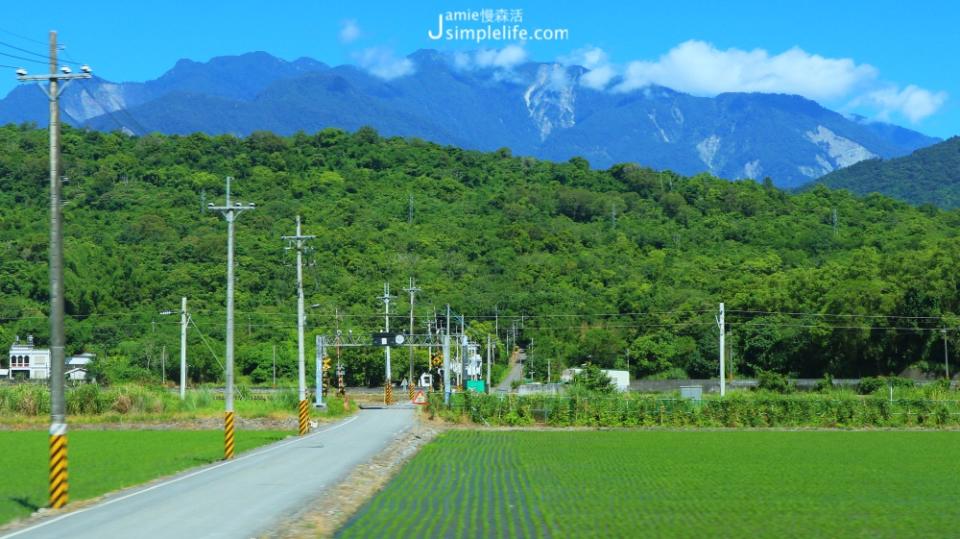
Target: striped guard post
[410, 391]
[303, 414]
[228, 436]
[58, 466]
[388, 393]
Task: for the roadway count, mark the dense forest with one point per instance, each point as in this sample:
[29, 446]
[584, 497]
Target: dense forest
[929, 175]
[613, 266]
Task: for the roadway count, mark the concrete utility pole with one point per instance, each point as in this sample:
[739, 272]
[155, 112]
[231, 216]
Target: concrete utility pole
[412, 290]
[387, 382]
[318, 374]
[723, 331]
[489, 358]
[183, 348]
[463, 354]
[297, 242]
[58, 410]
[230, 211]
[446, 367]
[946, 360]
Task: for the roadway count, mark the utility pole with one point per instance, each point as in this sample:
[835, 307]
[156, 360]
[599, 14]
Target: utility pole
[464, 352]
[163, 364]
[946, 360]
[230, 211]
[387, 382]
[722, 325]
[274, 365]
[489, 359]
[412, 290]
[318, 374]
[59, 495]
[496, 327]
[297, 242]
[183, 347]
[446, 366]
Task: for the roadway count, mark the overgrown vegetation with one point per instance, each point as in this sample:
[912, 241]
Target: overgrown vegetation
[633, 259]
[125, 402]
[932, 406]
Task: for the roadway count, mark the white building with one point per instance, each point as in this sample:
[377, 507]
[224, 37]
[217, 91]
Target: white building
[29, 362]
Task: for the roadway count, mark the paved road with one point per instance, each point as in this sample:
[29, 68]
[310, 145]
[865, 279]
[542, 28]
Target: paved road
[515, 373]
[237, 499]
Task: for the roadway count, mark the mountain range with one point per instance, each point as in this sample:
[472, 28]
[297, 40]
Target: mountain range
[537, 109]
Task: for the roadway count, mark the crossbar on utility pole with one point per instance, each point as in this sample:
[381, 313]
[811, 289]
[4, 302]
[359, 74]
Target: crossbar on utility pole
[412, 290]
[58, 410]
[297, 242]
[230, 211]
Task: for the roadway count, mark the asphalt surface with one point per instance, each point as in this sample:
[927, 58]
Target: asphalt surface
[242, 498]
[515, 373]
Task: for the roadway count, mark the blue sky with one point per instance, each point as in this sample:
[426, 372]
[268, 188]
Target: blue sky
[881, 59]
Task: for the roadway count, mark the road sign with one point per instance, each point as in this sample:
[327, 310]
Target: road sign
[419, 398]
[326, 364]
[388, 339]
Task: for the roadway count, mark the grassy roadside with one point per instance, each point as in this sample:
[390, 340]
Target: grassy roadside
[103, 461]
[27, 406]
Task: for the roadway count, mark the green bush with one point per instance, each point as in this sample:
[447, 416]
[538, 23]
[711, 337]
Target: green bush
[773, 381]
[592, 378]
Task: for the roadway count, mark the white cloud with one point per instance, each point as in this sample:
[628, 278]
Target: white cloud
[700, 68]
[381, 62]
[599, 77]
[594, 59]
[912, 102]
[349, 31]
[505, 58]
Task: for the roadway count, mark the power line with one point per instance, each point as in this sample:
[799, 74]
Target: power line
[840, 315]
[44, 56]
[25, 38]
[25, 59]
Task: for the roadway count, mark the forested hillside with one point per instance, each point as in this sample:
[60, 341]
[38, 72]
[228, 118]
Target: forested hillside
[929, 175]
[595, 262]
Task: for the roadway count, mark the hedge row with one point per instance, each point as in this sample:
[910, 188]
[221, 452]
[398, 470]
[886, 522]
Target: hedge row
[736, 410]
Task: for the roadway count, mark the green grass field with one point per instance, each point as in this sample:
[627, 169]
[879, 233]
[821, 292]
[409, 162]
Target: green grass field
[673, 484]
[102, 461]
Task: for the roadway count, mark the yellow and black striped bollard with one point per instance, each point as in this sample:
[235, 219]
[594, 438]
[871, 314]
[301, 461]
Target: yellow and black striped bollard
[228, 436]
[58, 466]
[388, 393]
[410, 391]
[303, 415]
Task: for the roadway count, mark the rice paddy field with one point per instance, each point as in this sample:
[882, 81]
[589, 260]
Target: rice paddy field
[673, 484]
[102, 461]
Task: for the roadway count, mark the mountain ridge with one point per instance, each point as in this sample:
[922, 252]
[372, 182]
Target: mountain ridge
[533, 108]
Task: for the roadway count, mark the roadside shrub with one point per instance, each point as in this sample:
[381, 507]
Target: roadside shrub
[87, 399]
[871, 384]
[592, 378]
[824, 384]
[773, 381]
